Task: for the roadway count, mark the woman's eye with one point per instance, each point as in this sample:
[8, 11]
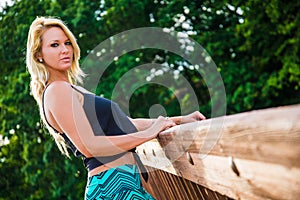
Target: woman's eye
[68, 43]
[54, 45]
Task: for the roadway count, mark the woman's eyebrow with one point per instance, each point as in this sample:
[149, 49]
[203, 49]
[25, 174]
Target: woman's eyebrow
[56, 40]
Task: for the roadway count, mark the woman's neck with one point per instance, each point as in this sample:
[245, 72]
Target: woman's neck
[58, 76]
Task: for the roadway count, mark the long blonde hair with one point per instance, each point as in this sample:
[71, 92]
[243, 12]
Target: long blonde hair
[38, 71]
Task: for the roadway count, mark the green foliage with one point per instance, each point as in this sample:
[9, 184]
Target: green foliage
[255, 45]
[270, 44]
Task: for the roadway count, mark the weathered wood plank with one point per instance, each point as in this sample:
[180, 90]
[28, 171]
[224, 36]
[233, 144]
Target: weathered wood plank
[256, 180]
[264, 146]
[265, 135]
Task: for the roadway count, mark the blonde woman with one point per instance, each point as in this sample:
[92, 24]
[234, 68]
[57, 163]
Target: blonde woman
[93, 127]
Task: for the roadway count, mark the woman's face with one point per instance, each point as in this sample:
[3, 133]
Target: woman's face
[57, 50]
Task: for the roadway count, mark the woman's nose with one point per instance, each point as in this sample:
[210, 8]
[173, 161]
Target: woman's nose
[65, 48]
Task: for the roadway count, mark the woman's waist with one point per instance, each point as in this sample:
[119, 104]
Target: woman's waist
[125, 159]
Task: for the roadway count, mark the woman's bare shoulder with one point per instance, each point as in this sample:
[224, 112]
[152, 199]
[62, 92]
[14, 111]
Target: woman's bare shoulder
[58, 90]
[58, 85]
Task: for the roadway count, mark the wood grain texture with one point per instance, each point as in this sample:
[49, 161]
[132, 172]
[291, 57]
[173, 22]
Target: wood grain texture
[252, 155]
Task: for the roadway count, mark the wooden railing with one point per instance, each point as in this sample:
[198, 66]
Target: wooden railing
[255, 155]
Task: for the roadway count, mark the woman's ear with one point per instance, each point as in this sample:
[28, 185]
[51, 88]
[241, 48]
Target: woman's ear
[39, 57]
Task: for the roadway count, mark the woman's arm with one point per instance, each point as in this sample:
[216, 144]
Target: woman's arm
[143, 124]
[64, 107]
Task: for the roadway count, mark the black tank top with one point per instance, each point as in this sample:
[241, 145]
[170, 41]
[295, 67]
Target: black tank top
[107, 119]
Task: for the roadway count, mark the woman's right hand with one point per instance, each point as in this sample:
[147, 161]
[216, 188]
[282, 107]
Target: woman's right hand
[160, 124]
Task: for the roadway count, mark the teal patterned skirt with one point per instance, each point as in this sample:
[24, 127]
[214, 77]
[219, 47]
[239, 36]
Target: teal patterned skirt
[122, 182]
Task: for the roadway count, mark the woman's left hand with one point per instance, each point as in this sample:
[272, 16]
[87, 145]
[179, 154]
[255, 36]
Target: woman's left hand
[193, 117]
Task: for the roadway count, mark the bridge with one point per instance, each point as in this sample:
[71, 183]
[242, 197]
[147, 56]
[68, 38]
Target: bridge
[251, 155]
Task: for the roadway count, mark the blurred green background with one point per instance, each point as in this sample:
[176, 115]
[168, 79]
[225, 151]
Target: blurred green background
[254, 44]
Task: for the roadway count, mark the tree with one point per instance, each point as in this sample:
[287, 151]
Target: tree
[31, 166]
[255, 46]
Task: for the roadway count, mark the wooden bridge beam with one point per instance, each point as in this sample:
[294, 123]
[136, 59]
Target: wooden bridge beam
[255, 155]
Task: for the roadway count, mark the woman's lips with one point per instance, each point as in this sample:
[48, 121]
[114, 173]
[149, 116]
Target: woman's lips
[66, 59]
